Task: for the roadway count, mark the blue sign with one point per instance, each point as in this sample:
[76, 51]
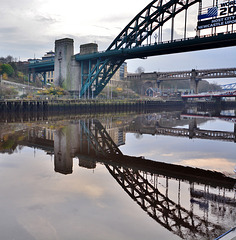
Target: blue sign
[216, 22]
[211, 12]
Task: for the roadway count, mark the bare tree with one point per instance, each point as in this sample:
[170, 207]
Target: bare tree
[140, 70]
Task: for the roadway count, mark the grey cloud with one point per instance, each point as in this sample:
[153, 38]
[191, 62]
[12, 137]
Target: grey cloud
[46, 19]
[7, 30]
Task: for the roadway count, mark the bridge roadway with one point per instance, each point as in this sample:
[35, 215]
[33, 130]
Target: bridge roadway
[167, 47]
[211, 95]
[143, 51]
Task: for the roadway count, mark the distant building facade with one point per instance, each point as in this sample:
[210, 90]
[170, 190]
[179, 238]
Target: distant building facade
[119, 78]
[49, 56]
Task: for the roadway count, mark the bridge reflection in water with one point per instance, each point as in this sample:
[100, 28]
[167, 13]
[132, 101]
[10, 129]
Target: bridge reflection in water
[192, 203]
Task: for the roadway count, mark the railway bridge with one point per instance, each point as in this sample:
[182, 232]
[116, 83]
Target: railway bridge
[87, 73]
[155, 127]
[154, 79]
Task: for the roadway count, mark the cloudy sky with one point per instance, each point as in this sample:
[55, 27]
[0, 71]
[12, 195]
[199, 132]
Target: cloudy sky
[29, 28]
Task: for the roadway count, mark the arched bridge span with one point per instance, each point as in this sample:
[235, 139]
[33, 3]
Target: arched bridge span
[128, 44]
[97, 68]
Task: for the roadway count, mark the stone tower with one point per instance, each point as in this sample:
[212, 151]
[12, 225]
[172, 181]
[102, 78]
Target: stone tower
[64, 50]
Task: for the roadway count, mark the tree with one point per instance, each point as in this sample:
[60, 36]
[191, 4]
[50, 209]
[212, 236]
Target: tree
[7, 68]
[13, 65]
[8, 59]
[140, 70]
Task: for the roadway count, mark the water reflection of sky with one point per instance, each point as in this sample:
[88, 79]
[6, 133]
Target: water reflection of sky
[207, 154]
[37, 203]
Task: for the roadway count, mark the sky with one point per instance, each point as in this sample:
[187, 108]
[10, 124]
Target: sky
[29, 28]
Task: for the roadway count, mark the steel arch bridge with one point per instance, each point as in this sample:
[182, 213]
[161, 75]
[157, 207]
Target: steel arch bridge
[96, 69]
[151, 18]
[128, 44]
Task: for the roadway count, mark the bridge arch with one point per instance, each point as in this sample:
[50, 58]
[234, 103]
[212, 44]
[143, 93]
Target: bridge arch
[151, 18]
[89, 72]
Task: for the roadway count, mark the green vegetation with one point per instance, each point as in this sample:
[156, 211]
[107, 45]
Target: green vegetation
[12, 70]
[7, 69]
[117, 93]
[53, 91]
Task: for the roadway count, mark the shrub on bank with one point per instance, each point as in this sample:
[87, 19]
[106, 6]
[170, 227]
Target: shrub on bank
[52, 91]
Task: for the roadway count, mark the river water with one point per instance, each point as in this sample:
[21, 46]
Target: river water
[159, 175]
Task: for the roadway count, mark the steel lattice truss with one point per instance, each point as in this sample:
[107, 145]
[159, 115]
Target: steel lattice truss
[162, 209]
[99, 138]
[231, 86]
[150, 19]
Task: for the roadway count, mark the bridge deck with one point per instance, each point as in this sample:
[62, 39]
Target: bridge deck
[211, 95]
[169, 47]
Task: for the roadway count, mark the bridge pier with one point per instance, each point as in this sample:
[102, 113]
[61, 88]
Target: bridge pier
[218, 101]
[194, 81]
[87, 66]
[158, 85]
[44, 78]
[32, 76]
[192, 128]
[235, 132]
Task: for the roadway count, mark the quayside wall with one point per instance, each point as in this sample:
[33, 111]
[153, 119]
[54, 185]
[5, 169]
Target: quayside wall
[102, 106]
[83, 105]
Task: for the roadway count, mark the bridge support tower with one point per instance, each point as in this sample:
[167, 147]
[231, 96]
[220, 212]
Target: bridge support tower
[69, 73]
[192, 128]
[194, 81]
[67, 70]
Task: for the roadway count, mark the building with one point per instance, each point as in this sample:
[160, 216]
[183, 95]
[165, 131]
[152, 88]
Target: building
[119, 78]
[49, 56]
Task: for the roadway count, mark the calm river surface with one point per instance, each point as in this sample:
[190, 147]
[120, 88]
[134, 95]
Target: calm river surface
[73, 177]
